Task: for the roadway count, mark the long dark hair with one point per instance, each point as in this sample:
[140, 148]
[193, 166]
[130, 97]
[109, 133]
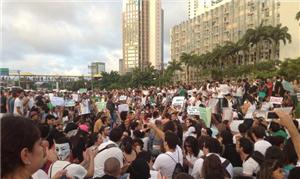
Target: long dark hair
[17, 133]
[267, 169]
[212, 168]
[192, 141]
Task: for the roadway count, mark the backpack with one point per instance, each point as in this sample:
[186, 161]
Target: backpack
[258, 157]
[107, 147]
[178, 167]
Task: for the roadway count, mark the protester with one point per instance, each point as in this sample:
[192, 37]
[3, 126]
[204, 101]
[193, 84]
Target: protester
[143, 133]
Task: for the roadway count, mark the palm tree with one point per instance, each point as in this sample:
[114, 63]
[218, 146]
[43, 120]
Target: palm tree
[174, 66]
[298, 16]
[255, 37]
[277, 34]
[186, 59]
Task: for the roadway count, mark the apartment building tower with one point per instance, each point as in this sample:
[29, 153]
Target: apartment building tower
[228, 20]
[142, 26]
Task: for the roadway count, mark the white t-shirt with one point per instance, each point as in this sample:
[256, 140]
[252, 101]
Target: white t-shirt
[261, 146]
[165, 164]
[73, 170]
[104, 155]
[250, 111]
[250, 166]
[192, 159]
[18, 103]
[40, 174]
[196, 173]
[30, 103]
[239, 91]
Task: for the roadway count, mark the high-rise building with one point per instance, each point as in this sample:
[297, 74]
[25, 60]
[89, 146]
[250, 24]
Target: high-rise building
[229, 20]
[131, 34]
[121, 66]
[97, 68]
[197, 7]
[142, 34]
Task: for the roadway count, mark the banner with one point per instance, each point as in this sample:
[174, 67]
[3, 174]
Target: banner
[178, 102]
[57, 101]
[100, 106]
[82, 90]
[69, 103]
[276, 100]
[205, 115]
[193, 110]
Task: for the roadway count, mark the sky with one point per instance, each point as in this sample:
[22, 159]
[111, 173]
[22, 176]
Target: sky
[65, 36]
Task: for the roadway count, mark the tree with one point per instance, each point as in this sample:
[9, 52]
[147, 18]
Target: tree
[186, 59]
[255, 37]
[298, 16]
[290, 68]
[277, 34]
[170, 71]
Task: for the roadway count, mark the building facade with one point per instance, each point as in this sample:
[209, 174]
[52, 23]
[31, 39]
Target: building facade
[228, 20]
[131, 34]
[97, 68]
[121, 66]
[142, 26]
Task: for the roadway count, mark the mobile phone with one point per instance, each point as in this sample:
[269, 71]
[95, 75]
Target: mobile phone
[272, 115]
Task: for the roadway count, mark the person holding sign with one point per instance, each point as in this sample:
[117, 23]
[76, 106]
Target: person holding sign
[84, 105]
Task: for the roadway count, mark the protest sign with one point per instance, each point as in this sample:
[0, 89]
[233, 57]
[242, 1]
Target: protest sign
[178, 102]
[100, 106]
[122, 98]
[123, 107]
[82, 90]
[276, 100]
[205, 115]
[75, 97]
[227, 114]
[193, 110]
[69, 103]
[57, 101]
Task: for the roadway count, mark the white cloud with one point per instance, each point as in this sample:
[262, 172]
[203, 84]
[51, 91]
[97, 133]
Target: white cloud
[66, 36]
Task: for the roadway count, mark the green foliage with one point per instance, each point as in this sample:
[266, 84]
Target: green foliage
[290, 68]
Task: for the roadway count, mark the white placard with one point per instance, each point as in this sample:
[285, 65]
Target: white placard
[178, 102]
[122, 98]
[193, 110]
[123, 107]
[276, 100]
[69, 103]
[57, 101]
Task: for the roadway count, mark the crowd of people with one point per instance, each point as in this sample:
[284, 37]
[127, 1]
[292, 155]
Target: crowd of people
[141, 134]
